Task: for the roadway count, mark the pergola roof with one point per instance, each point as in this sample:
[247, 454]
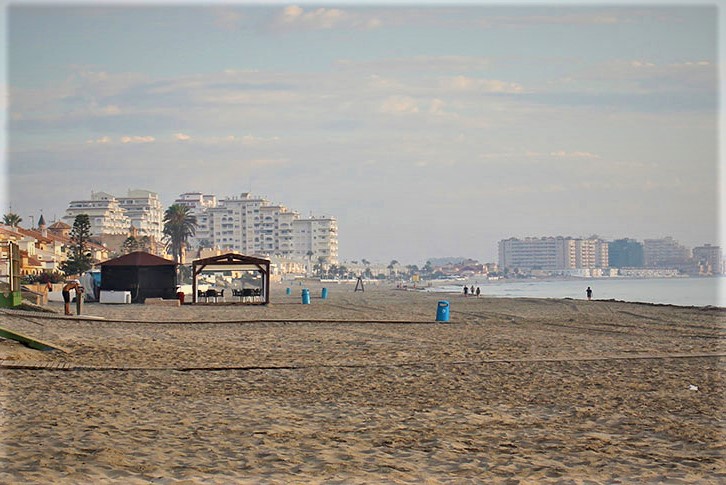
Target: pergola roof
[234, 261]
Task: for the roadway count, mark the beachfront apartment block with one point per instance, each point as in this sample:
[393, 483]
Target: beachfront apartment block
[625, 253]
[709, 259]
[316, 235]
[665, 253]
[105, 214]
[250, 224]
[553, 253]
[144, 209]
[111, 215]
[198, 204]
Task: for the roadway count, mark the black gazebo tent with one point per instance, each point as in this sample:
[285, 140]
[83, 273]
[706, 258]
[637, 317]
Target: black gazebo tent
[143, 274]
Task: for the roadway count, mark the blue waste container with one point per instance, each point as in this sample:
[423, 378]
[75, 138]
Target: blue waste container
[288, 291]
[442, 311]
[324, 293]
[305, 296]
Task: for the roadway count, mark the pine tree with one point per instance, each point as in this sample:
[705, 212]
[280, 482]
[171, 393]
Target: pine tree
[130, 245]
[79, 258]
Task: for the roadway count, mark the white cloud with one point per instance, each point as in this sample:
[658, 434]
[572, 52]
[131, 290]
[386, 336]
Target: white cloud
[436, 106]
[399, 105]
[295, 17]
[137, 139]
[227, 18]
[102, 140]
[556, 17]
[534, 156]
[108, 110]
[644, 76]
[574, 154]
[248, 140]
[181, 137]
[256, 140]
[268, 161]
[320, 18]
[465, 83]
[445, 64]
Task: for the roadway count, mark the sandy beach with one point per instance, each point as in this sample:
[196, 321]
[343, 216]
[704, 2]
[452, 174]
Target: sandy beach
[366, 388]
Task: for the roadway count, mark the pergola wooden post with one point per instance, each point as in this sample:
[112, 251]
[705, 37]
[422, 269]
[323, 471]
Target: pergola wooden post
[234, 262]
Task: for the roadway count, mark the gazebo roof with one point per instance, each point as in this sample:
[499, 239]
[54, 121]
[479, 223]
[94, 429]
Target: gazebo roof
[138, 258]
[233, 261]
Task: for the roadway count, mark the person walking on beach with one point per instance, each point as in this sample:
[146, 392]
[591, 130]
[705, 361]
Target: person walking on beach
[71, 285]
[589, 293]
[466, 290]
[478, 291]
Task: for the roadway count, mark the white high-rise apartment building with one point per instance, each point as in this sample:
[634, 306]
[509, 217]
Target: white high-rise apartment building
[198, 204]
[252, 225]
[104, 213]
[318, 235]
[110, 215]
[591, 253]
[553, 253]
[144, 209]
[664, 253]
[235, 224]
[710, 257]
[541, 253]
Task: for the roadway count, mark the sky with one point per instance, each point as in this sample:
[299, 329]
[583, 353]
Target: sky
[427, 130]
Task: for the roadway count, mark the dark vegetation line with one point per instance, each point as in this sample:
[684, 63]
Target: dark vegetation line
[65, 367]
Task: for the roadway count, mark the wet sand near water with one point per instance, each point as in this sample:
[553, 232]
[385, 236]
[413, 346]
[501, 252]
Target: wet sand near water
[366, 388]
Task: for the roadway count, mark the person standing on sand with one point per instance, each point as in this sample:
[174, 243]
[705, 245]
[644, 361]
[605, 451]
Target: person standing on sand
[478, 291]
[71, 285]
[589, 293]
[466, 290]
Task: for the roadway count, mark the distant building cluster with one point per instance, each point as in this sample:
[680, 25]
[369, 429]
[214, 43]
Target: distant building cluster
[553, 253]
[42, 249]
[139, 212]
[250, 224]
[595, 257]
[246, 224]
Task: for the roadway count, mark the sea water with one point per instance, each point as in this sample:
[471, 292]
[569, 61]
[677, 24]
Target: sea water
[673, 291]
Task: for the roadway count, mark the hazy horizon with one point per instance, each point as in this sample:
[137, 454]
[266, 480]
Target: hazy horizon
[427, 131]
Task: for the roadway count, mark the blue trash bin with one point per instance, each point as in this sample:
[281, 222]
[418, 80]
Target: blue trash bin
[288, 291]
[442, 311]
[305, 296]
[324, 293]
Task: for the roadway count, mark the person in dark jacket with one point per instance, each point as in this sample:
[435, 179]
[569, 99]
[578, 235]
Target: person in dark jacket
[71, 285]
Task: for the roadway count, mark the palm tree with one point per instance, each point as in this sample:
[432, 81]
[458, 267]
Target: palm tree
[392, 266]
[179, 225]
[322, 260]
[309, 254]
[11, 219]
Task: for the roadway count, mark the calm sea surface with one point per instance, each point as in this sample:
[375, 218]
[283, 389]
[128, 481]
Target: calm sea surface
[674, 291]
